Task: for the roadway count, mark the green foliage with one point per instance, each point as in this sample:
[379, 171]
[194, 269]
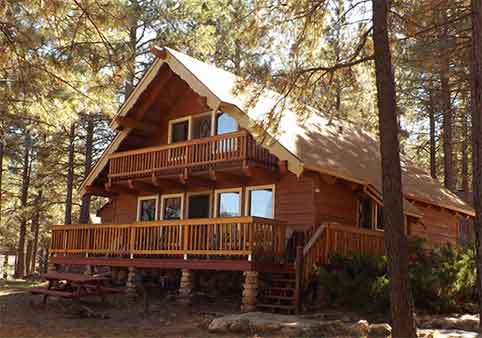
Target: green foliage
[443, 280]
[359, 282]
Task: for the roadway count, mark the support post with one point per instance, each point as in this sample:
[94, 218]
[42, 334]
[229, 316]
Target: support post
[131, 282]
[299, 279]
[250, 291]
[185, 289]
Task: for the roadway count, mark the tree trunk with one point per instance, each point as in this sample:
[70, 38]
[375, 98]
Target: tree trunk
[2, 149]
[35, 230]
[465, 158]
[131, 64]
[449, 178]
[89, 142]
[477, 135]
[401, 304]
[20, 263]
[70, 175]
[433, 142]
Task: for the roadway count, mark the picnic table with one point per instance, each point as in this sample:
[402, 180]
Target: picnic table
[73, 286]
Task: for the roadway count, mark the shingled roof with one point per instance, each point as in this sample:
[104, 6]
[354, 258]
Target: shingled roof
[319, 143]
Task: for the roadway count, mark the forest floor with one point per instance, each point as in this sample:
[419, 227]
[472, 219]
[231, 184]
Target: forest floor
[23, 315]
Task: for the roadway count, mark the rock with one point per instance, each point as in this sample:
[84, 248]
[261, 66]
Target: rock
[379, 330]
[427, 334]
[218, 325]
[464, 322]
[239, 325]
[359, 329]
[468, 323]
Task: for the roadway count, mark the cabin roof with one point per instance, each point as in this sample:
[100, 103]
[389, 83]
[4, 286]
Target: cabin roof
[316, 142]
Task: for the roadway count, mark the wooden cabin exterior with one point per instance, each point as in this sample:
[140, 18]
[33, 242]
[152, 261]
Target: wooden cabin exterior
[194, 185]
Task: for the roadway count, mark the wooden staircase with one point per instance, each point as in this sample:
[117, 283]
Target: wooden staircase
[279, 295]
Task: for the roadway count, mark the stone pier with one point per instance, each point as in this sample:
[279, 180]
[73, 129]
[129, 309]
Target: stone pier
[185, 289]
[131, 283]
[250, 291]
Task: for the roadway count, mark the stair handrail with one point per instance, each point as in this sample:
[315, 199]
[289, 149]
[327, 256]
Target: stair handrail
[316, 236]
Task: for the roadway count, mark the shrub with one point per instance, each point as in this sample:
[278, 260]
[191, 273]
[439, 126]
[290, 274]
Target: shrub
[443, 280]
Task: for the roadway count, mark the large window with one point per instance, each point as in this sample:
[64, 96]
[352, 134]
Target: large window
[147, 208]
[370, 214]
[260, 201]
[172, 206]
[199, 205]
[179, 130]
[228, 203]
[225, 123]
[201, 126]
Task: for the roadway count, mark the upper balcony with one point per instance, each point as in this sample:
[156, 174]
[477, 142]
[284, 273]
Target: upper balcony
[236, 150]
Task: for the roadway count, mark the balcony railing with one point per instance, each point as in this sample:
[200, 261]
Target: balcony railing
[248, 237]
[339, 239]
[200, 153]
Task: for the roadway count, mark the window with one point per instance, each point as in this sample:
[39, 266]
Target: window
[370, 214]
[147, 208]
[199, 205]
[260, 201]
[201, 126]
[172, 206]
[364, 212]
[228, 203]
[225, 123]
[179, 130]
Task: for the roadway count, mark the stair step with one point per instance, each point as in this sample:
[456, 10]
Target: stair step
[283, 280]
[278, 297]
[276, 306]
[279, 288]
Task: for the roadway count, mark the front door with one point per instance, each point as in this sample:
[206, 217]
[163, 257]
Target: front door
[199, 206]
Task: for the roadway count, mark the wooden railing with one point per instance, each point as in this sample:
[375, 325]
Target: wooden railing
[339, 239]
[209, 151]
[237, 236]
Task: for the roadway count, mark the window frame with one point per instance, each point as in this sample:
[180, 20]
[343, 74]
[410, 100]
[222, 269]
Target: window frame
[178, 120]
[215, 120]
[195, 193]
[216, 200]
[166, 196]
[247, 199]
[145, 198]
[191, 122]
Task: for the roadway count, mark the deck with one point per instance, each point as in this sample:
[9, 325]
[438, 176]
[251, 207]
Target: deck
[232, 244]
[172, 243]
[237, 149]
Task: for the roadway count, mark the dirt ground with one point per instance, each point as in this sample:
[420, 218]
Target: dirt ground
[23, 315]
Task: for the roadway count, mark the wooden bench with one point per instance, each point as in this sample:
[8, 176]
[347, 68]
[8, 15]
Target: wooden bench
[49, 292]
[104, 289]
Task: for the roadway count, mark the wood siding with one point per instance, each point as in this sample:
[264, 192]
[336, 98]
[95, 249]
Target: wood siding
[438, 226]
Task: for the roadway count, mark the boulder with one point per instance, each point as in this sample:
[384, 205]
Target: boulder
[219, 325]
[379, 330]
[359, 329]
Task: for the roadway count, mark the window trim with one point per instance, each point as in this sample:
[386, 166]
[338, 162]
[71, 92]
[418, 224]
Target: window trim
[144, 198]
[259, 187]
[215, 120]
[164, 197]
[192, 117]
[216, 200]
[178, 120]
[194, 193]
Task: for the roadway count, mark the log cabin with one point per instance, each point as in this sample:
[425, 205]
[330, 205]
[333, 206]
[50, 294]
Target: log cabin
[199, 178]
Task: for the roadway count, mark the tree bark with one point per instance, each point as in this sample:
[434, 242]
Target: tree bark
[433, 141]
[20, 263]
[89, 142]
[70, 175]
[131, 64]
[449, 178]
[477, 136]
[401, 304]
[465, 158]
[2, 150]
[35, 230]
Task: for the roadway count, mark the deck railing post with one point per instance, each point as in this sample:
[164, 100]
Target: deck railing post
[299, 279]
[65, 241]
[185, 239]
[132, 242]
